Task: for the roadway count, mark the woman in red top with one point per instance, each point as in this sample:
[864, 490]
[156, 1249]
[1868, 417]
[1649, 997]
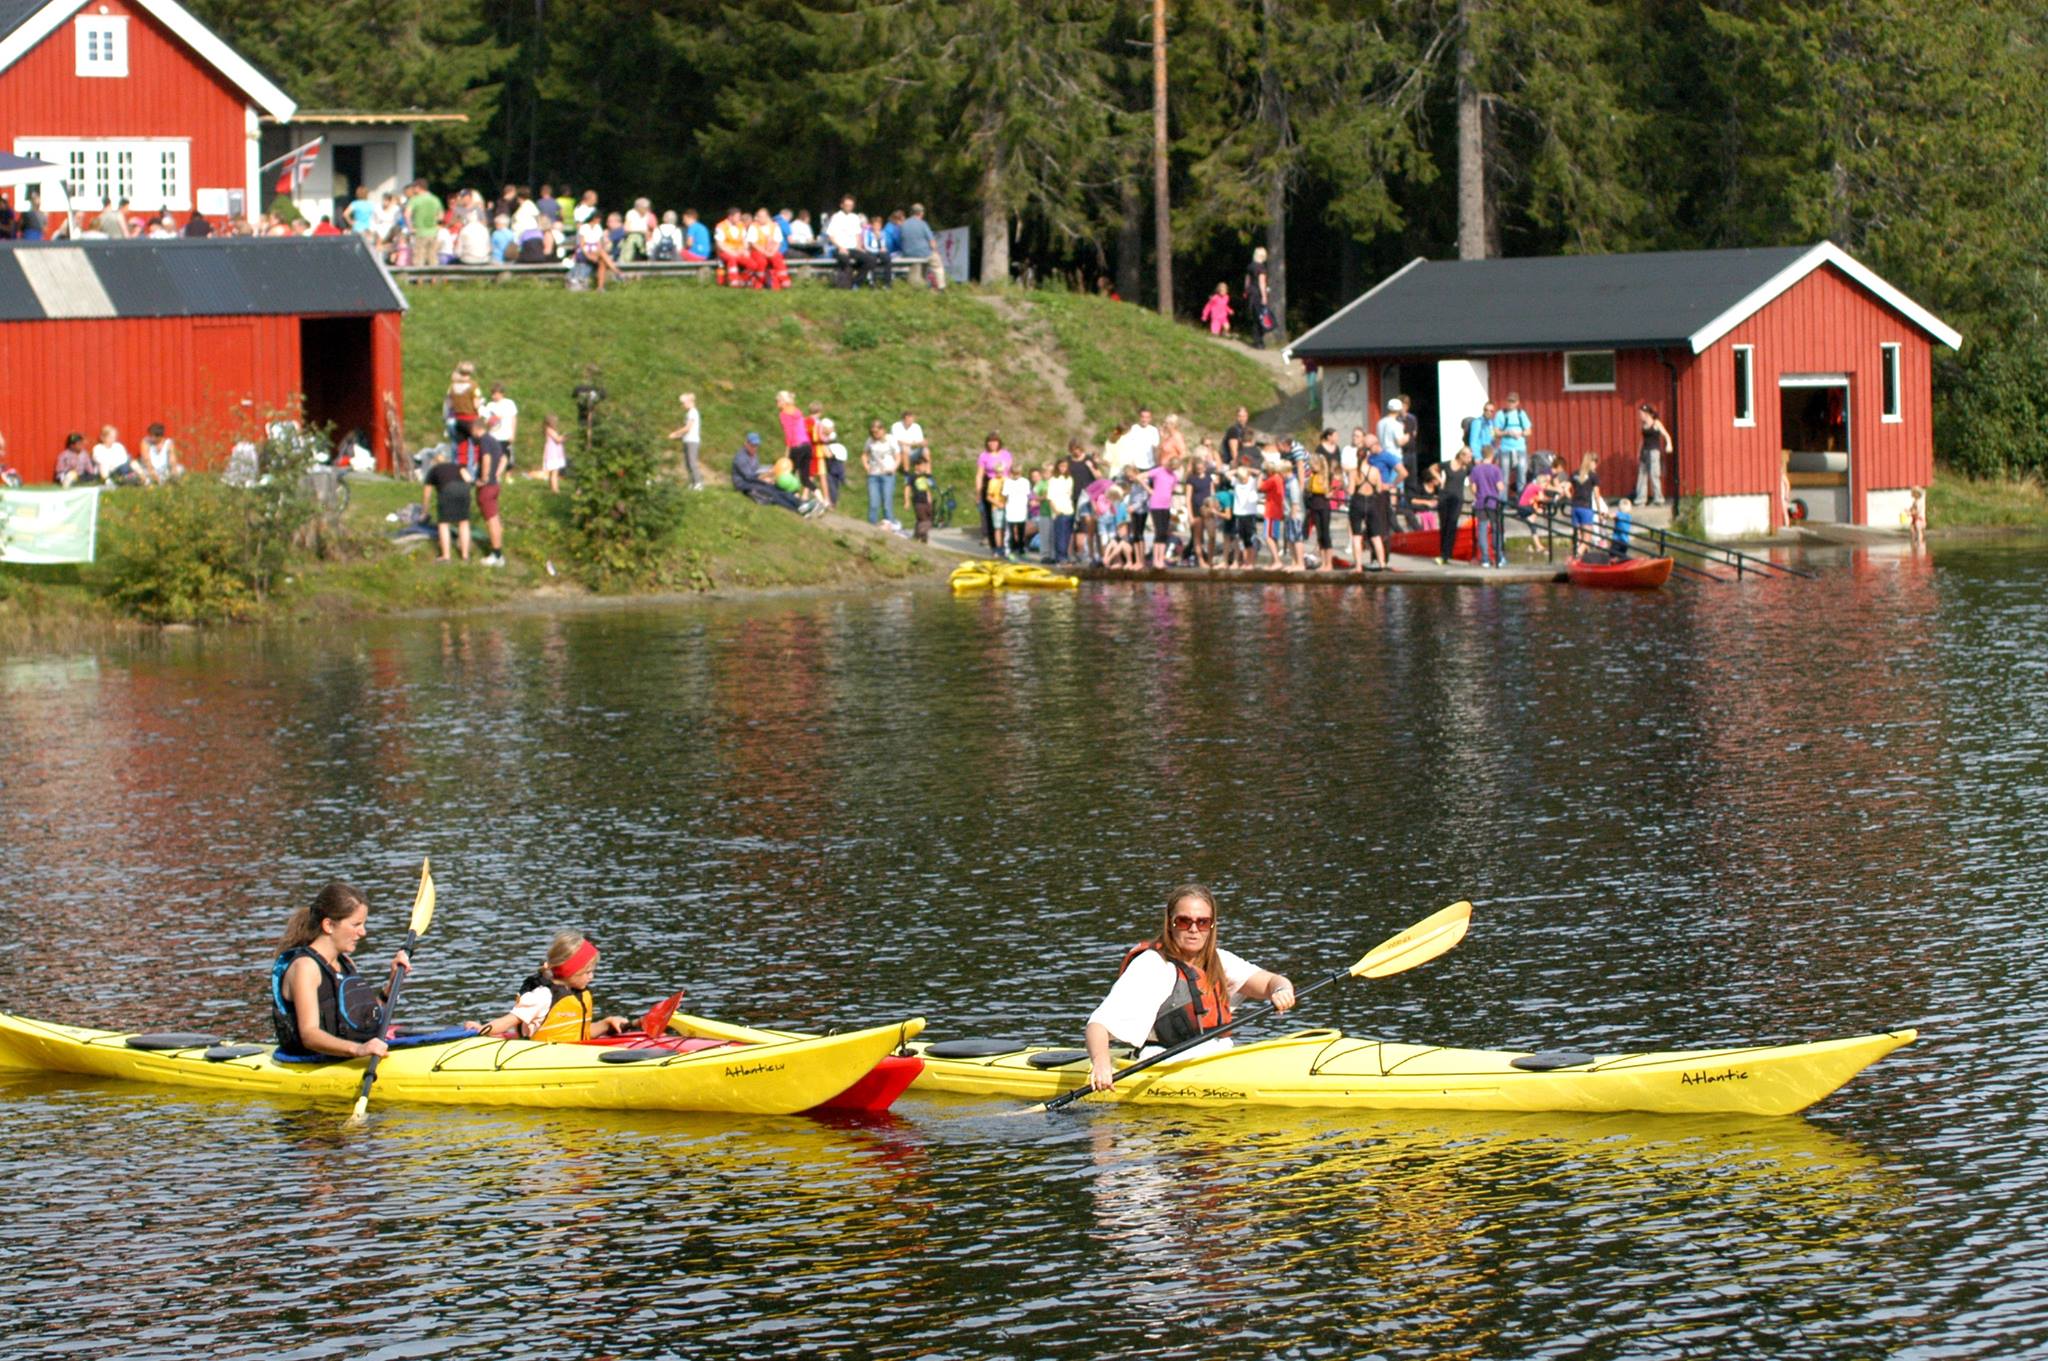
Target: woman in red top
[1273, 487]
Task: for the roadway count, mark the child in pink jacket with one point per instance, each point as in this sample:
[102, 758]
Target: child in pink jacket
[1216, 311]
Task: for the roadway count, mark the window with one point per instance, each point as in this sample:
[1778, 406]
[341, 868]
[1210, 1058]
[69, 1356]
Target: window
[151, 174]
[1745, 384]
[1892, 414]
[102, 46]
[1589, 370]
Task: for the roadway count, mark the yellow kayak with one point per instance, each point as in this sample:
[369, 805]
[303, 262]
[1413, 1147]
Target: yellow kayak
[1328, 1068]
[990, 574]
[779, 1077]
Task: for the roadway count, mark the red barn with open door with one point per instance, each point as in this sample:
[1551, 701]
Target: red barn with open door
[210, 337]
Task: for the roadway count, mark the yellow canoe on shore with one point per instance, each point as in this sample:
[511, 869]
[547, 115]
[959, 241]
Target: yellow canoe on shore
[773, 1077]
[1329, 1069]
[990, 574]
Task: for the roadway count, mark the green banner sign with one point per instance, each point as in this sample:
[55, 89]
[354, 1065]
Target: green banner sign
[48, 526]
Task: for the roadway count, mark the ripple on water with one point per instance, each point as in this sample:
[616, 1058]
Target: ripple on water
[1775, 811]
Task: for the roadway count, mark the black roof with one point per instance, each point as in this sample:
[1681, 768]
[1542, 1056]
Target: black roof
[15, 13]
[1546, 303]
[190, 277]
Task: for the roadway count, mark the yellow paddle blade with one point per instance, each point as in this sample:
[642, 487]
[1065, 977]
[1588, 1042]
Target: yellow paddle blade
[1419, 944]
[423, 901]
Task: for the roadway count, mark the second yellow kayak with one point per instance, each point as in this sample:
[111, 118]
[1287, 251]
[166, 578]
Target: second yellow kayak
[1328, 1068]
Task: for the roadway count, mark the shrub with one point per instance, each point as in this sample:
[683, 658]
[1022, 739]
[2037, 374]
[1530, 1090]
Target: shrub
[181, 554]
[623, 514]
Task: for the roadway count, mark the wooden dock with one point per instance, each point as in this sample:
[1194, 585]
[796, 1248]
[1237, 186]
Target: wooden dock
[1406, 572]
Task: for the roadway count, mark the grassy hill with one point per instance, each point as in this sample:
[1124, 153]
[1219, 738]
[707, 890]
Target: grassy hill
[962, 365]
[1040, 368]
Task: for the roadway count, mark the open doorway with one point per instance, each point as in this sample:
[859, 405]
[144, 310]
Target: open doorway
[336, 376]
[1813, 414]
[1417, 382]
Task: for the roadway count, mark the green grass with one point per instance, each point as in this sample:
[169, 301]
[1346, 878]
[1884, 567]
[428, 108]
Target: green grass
[1959, 501]
[863, 355]
[1121, 357]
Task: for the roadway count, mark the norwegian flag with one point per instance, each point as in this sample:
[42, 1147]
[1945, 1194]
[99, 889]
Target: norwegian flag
[297, 165]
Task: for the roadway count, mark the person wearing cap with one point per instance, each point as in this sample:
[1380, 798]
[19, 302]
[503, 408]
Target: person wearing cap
[751, 479]
[554, 1002]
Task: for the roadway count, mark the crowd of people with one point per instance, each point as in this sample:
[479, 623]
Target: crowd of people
[1148, 499]
[750, 249]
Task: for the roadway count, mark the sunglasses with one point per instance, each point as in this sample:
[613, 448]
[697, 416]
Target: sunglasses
[1193, 923]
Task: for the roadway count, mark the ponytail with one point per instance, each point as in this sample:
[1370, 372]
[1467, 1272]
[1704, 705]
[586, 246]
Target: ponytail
[565, 944]
[337, 902]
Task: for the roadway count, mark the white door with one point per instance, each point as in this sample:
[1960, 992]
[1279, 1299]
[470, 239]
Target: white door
[1460, 392]
[380, 168]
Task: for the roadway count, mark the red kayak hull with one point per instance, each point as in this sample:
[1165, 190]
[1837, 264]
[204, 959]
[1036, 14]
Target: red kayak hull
[1631, 574]
[1425, 543]
[872, 1095]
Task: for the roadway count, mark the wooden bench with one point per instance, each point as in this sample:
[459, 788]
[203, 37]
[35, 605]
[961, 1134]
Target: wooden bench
[800, 266]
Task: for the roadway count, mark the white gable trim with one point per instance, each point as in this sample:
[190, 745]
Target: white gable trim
[1826, 253]
[1358, 301]
[179, 21]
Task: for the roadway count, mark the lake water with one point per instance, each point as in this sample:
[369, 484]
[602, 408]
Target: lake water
[1780, 811]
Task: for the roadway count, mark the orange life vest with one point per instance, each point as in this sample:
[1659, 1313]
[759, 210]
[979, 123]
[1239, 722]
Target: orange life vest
[732, 237]
[1193, 1007]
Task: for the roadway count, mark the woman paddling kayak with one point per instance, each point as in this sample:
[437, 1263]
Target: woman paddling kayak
[1177, 987]
[554, 1002]
[319, 1004]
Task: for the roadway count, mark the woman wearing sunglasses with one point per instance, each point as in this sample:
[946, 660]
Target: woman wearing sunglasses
[1175, 988]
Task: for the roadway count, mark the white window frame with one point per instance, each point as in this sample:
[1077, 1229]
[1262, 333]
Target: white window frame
[1608, 386]
[1891, 375]
[101, 171]
[1745, 383]
[96, 32]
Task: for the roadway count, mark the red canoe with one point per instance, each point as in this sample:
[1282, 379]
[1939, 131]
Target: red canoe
[1630, 574]
[1424, 543]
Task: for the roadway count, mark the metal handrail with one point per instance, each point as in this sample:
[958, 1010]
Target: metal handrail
[1670, 543]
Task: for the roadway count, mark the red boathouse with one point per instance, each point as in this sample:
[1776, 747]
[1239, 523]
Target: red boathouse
[1791, 359]
[210, 337]
[136, 100]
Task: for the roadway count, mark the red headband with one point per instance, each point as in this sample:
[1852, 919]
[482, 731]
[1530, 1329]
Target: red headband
[585, 953]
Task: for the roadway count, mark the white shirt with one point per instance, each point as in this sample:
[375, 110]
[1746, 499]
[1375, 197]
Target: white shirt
[800, 233]
[501, 418]
[1392, 433]
[692, 423]
[473, 243]
[637, 221]
[111, 458]
[909, 438]
[1141, 446]
[1016, 499]
[1133, 1004]
[843, 230]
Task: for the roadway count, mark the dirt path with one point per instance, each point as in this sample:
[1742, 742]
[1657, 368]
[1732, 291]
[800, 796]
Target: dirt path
[1040, 353]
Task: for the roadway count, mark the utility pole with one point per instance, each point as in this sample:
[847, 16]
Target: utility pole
[1162, 206]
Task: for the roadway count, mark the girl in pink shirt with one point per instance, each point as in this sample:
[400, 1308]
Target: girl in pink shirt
[1164, 479]
[796, 437]
[1216, 311]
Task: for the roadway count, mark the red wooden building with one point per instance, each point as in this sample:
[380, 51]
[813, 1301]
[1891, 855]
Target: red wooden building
[132, 99]
[1758, 360]
[210, 337]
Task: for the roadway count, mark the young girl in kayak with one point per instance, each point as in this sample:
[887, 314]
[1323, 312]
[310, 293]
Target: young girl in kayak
[318, 1003]
[1177, 987]
[554, 1002]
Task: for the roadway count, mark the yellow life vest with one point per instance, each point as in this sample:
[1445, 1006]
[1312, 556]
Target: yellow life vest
[568, 1020]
